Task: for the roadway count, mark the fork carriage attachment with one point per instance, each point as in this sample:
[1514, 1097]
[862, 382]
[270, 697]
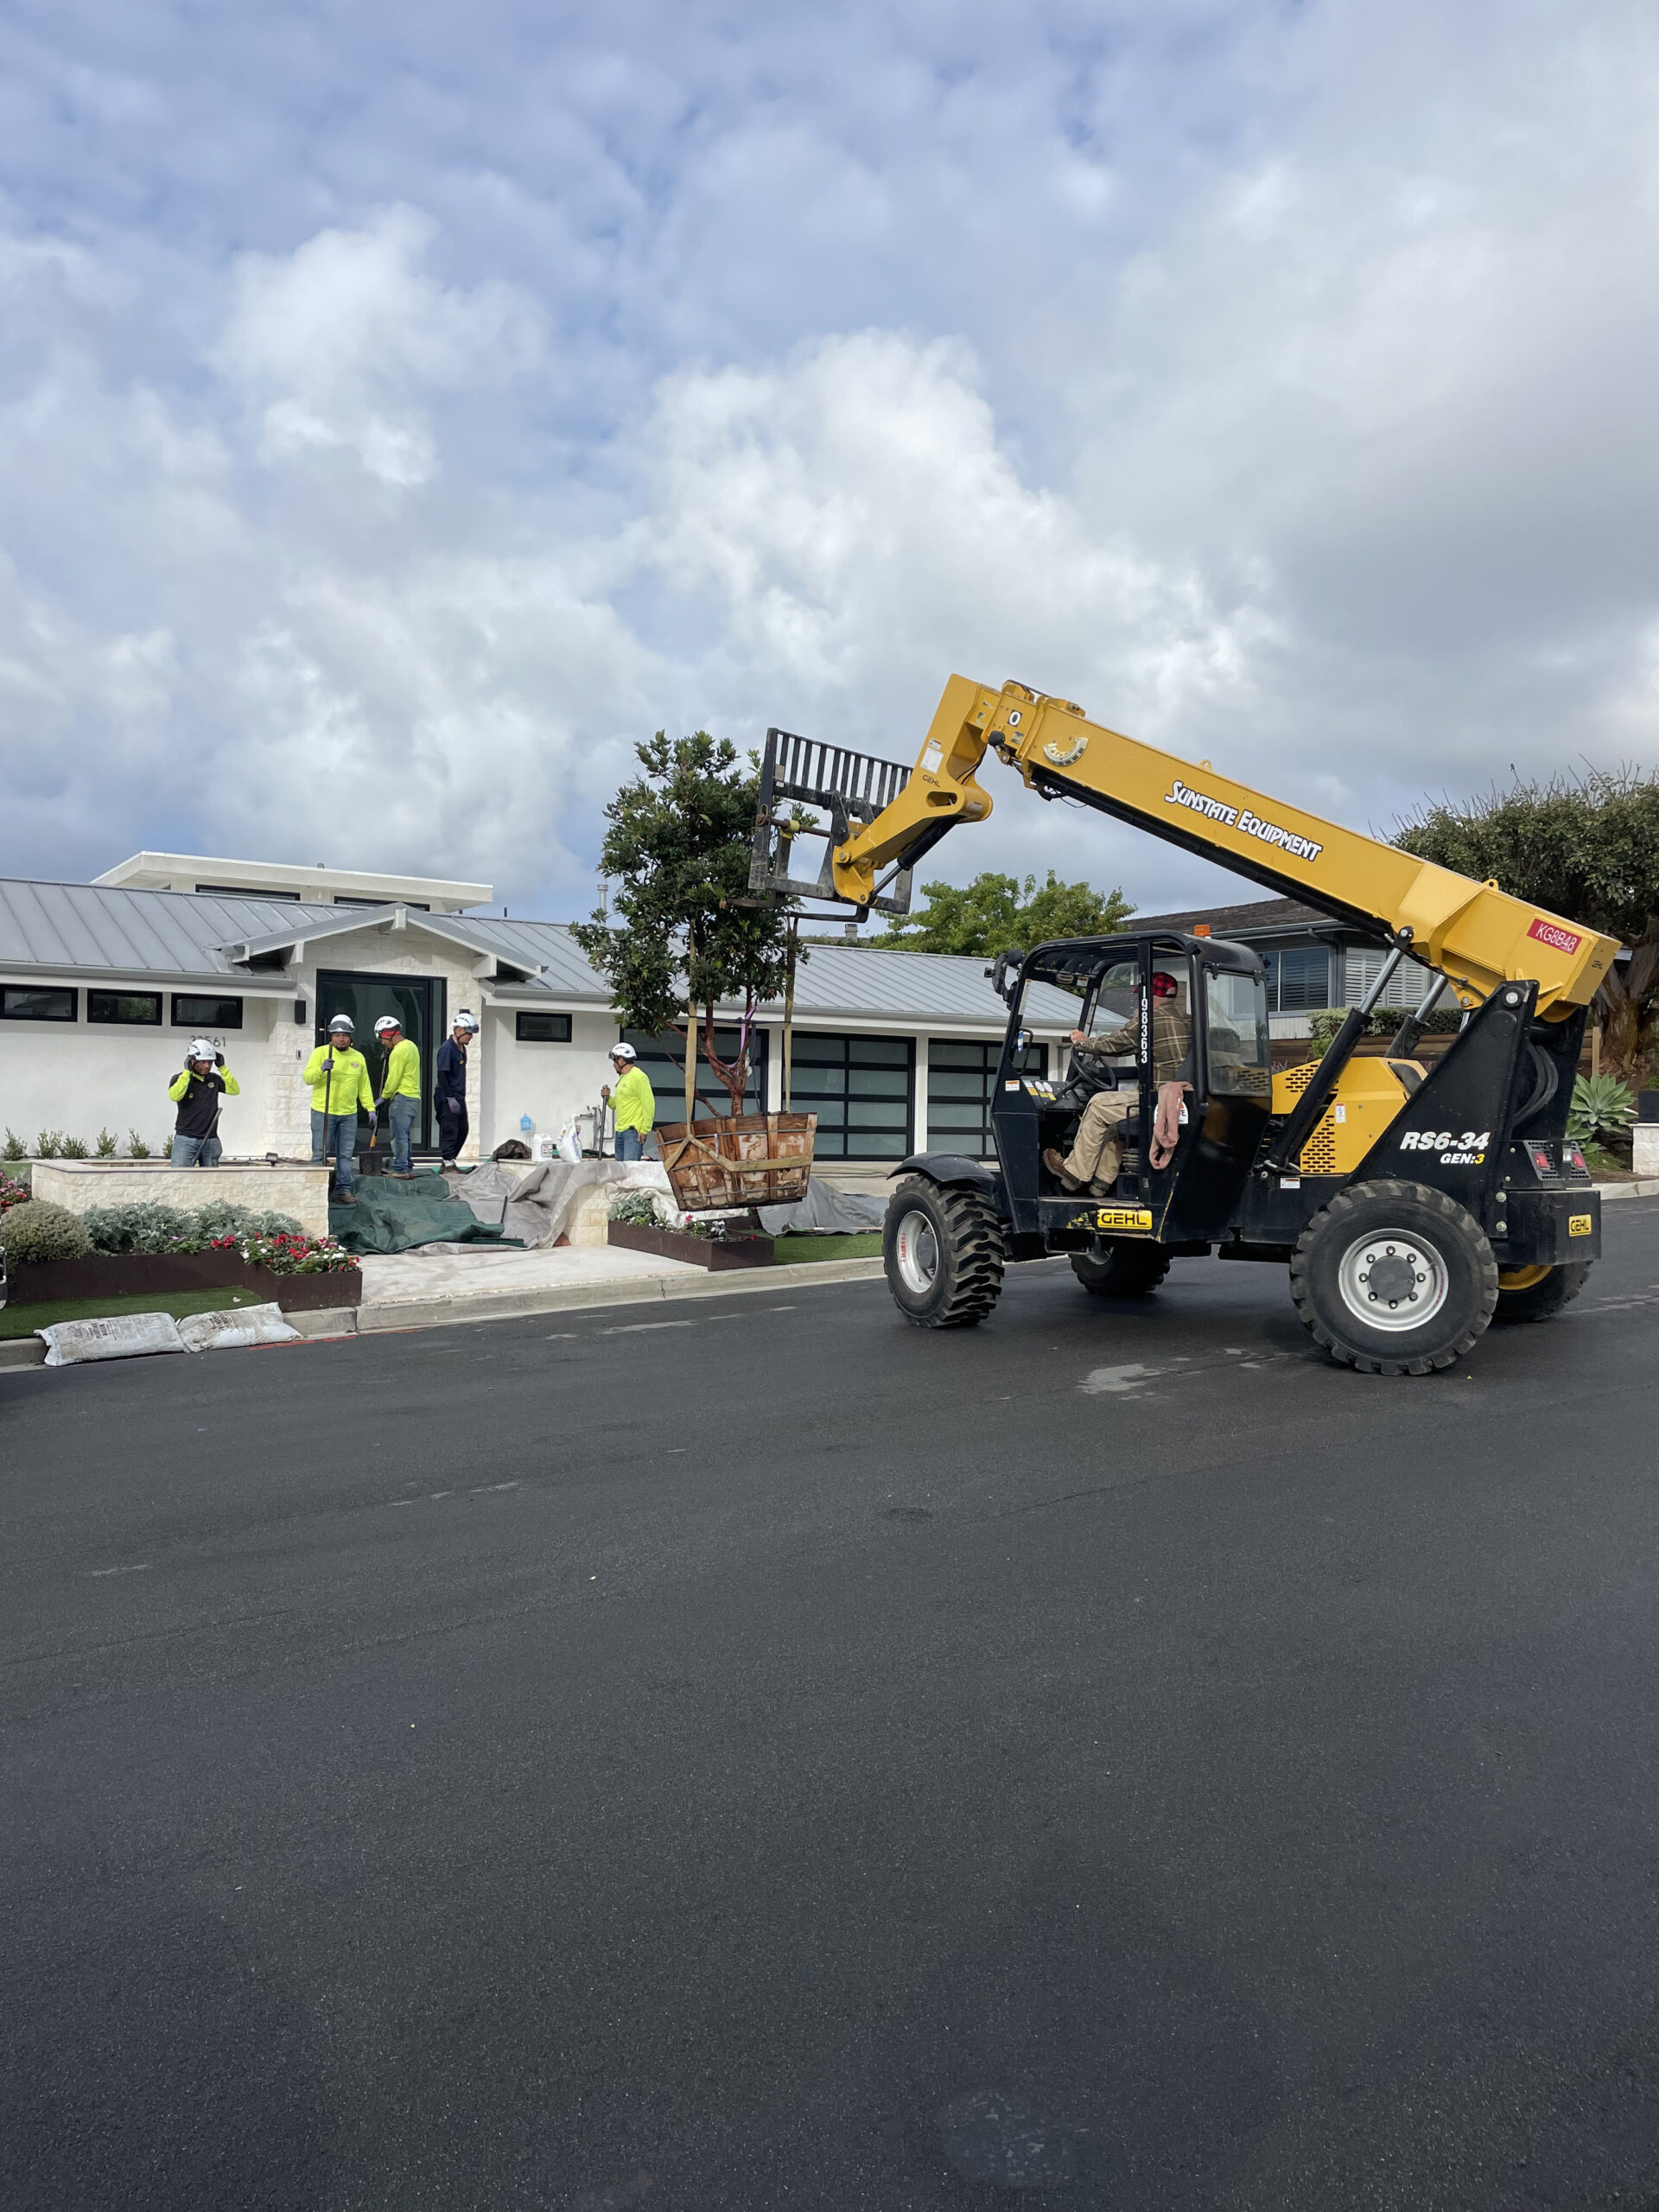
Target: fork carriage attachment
[852, 788]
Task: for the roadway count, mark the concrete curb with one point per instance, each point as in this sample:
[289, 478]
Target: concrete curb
[634, 1290]
[22, 1352]
[1646, 1187]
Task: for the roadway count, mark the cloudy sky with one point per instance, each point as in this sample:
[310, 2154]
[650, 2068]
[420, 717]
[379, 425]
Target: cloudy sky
[405, 408]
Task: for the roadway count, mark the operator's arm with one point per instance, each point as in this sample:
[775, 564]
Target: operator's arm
[1108, 1044]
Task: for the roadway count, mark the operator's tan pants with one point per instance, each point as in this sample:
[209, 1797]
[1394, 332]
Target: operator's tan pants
[1097, 1153]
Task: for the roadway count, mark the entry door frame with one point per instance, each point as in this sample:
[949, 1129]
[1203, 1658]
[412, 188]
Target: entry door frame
[332, 983]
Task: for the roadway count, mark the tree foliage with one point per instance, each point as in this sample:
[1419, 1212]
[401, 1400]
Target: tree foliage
[1586, 848]
[997, 913]
[677, 852]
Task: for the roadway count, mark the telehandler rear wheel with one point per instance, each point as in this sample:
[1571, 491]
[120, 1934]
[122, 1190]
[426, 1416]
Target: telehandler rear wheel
[1124, 1270]
[1533, 1294]
[1395, 1278]
[943, 1254]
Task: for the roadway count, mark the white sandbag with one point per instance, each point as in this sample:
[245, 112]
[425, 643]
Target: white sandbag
[124, 1336]
[233, 1327]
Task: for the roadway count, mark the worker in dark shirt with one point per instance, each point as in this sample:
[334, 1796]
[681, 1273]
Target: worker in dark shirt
[199, 1091]
[450, 1087]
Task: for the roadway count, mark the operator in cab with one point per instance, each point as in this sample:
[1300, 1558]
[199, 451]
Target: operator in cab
[1097, 1152]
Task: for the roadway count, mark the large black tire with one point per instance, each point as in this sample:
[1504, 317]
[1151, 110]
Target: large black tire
[1537, 1299]
[1375, 1254]
[944, 1252]
[1126, 1270]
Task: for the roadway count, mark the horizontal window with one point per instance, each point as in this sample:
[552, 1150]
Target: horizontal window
[192, 1011]
[24, 1003]
[541, 1028]
[140, 1009]
[243, 891]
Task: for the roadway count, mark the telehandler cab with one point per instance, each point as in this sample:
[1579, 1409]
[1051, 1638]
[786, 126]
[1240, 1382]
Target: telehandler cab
[1413, 1202]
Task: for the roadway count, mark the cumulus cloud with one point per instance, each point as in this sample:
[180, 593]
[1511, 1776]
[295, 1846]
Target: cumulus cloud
[398, 423]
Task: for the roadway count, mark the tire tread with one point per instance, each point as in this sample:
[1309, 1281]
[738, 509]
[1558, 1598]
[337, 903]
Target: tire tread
[1350, 1201]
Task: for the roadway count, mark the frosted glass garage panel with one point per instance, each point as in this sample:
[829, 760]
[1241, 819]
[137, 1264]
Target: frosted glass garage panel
[861, 1089]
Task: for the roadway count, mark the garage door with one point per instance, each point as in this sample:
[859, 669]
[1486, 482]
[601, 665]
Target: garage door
[861, 1089]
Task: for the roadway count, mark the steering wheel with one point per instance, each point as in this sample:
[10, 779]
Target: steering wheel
[1085, 1077]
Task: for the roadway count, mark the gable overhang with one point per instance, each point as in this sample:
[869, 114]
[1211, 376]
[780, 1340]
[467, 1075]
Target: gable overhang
[281, 947]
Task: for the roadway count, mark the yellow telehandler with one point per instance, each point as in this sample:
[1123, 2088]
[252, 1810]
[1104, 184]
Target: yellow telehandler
[1413, 1203]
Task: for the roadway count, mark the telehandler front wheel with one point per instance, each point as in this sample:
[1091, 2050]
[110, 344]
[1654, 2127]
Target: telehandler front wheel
[1122, 1271]
[1395, 1278]
[943, 1254]
[1533, 1294]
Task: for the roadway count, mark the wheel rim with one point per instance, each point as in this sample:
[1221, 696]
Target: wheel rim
[1521, 1278]
[1393, 1281]
[916, 1249]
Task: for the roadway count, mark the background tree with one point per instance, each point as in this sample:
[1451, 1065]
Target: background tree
[995, 913]
[676, 852]
[1586, 847]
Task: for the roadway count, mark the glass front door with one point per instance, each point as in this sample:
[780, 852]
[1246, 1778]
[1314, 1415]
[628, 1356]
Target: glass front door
[416, 1001]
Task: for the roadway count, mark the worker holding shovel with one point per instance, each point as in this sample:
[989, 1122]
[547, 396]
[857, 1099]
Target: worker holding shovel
[338, 1076]
[198, 1091]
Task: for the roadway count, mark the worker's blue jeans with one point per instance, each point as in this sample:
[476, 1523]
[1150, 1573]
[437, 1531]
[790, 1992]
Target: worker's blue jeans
[401, 1112]
[195, 1152]
[630, 1145]
[334, 1136]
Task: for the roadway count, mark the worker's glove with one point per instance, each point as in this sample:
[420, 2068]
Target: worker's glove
[219, 1060]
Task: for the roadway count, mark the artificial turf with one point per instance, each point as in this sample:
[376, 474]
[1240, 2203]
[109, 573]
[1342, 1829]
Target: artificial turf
[23, 1320]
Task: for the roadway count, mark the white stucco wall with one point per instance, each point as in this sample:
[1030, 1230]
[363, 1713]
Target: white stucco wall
[80, 1077]
[547, 1082]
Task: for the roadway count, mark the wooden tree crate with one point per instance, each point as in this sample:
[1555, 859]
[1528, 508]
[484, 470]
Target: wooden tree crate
[754, 1160]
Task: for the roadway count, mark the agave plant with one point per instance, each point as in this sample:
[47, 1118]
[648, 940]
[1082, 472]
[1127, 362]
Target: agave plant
[1601, 1106]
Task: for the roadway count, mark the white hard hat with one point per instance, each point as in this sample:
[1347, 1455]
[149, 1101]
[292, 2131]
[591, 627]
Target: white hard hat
[465, 1020]
[386, 1021]
[623, 1052]
[203, 1048]
[342, 1022]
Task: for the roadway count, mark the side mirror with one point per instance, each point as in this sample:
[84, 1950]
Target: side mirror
[1004, 973]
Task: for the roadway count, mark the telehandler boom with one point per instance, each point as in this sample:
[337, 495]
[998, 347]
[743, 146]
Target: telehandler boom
[1413, 1204]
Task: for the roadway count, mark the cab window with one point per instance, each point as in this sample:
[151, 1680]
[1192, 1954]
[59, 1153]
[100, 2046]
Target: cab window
[1240, 1064]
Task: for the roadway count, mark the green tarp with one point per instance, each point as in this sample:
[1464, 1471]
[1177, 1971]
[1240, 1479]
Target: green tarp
[397, 1216]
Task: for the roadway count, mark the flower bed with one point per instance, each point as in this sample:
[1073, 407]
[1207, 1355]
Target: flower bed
[714, 1252]
[226, 1264]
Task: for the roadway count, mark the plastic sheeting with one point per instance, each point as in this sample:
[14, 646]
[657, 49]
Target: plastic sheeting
[538, 1205]
[397, 1216]
[826, 1210]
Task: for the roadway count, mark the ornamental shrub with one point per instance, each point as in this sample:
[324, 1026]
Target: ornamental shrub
[74, 1149]
[1601, 1106]
[14, 1147]
[290, 1253]
[105, 1145]
[12, 1194]
[140, 1228]
[635, 1208]
[136, 1146]
[38, 1232]
[50, 1145]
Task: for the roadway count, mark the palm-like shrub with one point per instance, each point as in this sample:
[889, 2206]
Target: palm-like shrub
[1602, 1107]
[34, 1233]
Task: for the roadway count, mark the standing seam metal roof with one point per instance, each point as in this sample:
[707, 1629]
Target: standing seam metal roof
[61, 928]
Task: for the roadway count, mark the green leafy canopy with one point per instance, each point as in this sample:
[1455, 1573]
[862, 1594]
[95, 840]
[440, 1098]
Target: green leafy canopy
[681, 929]
[997, 913]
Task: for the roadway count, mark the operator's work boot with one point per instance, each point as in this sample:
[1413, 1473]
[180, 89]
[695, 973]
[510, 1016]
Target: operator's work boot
[1056, 1168]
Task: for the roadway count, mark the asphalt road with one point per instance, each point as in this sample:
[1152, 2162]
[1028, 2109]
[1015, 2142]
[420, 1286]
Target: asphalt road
[762, 1755]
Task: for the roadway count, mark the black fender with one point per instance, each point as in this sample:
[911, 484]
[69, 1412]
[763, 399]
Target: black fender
[955, 1170]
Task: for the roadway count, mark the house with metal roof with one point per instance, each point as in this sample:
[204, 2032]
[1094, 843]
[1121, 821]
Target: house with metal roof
[102, 985]
[1311, 961]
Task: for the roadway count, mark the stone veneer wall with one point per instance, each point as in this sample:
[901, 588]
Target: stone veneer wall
[301, 1192]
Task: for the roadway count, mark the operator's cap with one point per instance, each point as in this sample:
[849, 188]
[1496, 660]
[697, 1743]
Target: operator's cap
[623, 1052]
[202, 1048]
[342, 1022]
[1163, 986]
[386, 1021]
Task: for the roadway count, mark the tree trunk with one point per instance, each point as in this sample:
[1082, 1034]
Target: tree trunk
[1630, 1003]
[734, 1074]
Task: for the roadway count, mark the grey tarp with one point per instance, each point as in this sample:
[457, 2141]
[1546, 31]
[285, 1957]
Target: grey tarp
[827, 1211]
[537, 1206]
